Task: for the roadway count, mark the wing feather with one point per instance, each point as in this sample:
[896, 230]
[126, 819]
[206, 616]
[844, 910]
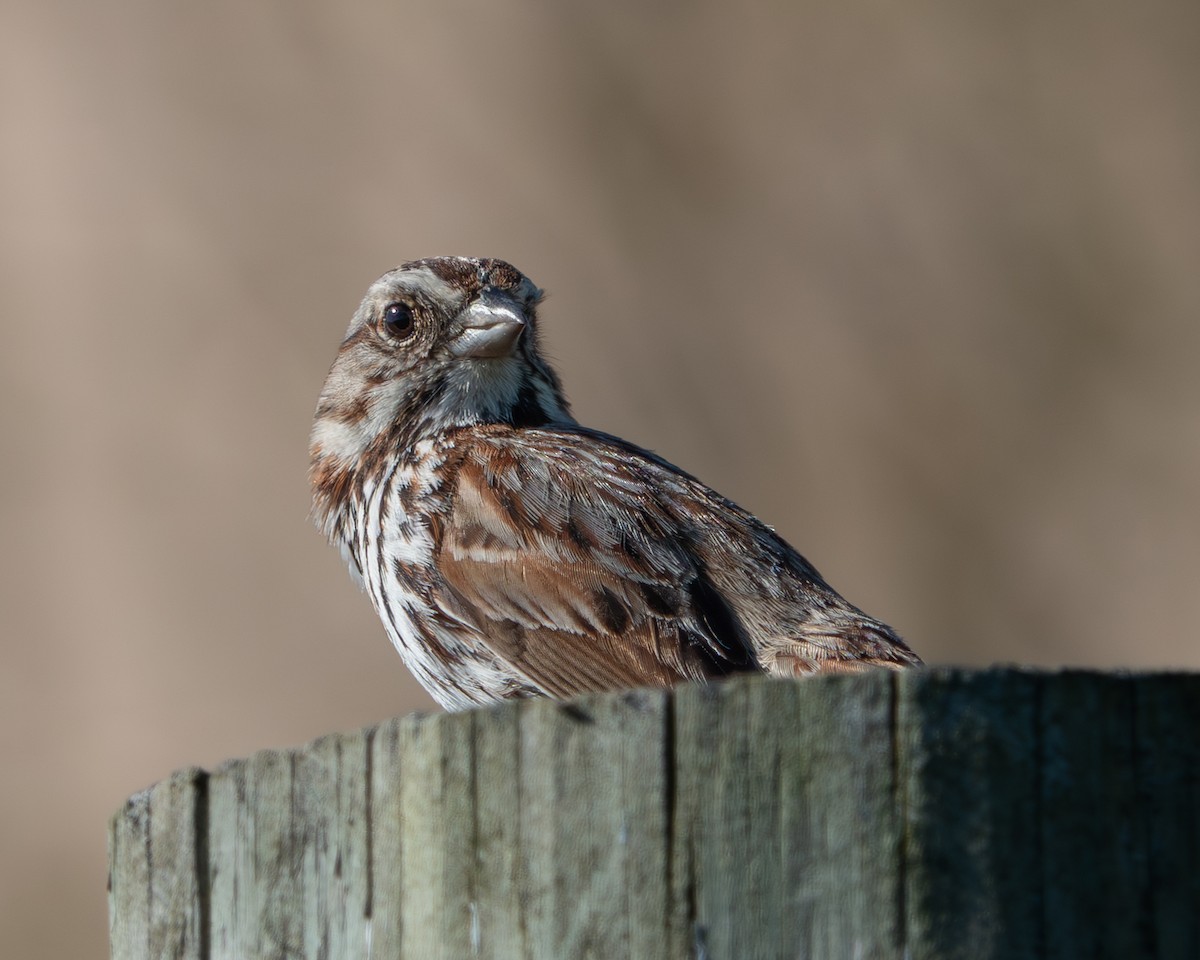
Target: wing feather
[587, 564]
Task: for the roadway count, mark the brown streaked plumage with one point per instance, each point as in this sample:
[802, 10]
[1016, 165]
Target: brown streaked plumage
[512, 552]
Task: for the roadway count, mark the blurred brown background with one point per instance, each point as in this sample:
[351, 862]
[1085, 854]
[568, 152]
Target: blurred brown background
[918, 284]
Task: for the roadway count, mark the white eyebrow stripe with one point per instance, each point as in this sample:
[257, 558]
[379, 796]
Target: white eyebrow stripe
[418, 279]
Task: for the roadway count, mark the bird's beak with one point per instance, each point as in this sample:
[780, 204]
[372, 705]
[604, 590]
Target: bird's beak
[493, 326]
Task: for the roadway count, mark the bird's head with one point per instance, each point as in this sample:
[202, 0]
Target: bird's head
[435, 344]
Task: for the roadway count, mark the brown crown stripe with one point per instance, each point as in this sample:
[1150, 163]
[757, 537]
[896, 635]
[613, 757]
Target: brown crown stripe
[472, 275]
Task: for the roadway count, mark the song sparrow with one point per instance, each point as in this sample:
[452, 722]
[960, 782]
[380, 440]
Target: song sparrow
[511, 552]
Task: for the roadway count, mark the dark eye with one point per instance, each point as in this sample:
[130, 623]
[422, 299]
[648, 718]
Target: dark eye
[398, 320]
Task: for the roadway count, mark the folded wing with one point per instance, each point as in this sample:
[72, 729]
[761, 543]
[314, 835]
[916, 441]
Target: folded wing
[587, 563]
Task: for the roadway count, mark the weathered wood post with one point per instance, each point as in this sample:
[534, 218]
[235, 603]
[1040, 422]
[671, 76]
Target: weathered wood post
[925, 815]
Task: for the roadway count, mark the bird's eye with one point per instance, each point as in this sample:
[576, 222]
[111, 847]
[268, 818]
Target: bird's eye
[398, 320]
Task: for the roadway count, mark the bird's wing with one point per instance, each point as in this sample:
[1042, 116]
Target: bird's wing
[586, 564]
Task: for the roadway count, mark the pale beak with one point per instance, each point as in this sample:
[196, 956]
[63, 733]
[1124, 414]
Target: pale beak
[492, 330]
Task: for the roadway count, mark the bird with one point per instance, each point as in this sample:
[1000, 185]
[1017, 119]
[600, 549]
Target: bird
[511, 552]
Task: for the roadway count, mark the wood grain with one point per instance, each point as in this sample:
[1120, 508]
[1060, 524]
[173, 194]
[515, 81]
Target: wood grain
[930, 814]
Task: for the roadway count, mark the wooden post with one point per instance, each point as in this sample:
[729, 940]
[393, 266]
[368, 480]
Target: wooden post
[931, 814]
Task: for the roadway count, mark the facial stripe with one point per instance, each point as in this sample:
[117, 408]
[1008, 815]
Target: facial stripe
[415, 279]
